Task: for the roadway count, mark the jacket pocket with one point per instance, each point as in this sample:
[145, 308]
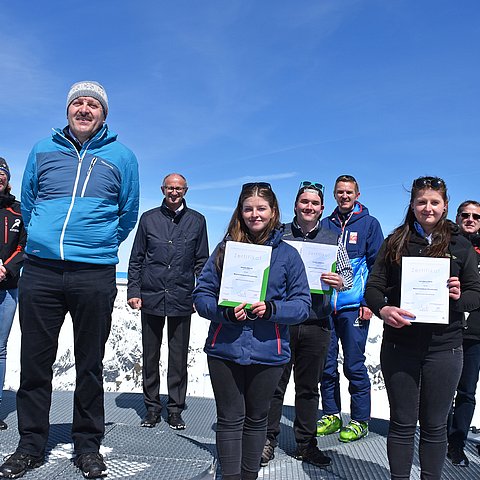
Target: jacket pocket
[215, 335]
[279, 339]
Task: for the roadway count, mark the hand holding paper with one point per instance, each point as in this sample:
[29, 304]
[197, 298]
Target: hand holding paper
[396, 317]
[333, 279]
[454, 288]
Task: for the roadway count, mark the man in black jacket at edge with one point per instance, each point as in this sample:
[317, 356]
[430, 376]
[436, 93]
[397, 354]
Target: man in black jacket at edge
[468, 219]
[169, 251]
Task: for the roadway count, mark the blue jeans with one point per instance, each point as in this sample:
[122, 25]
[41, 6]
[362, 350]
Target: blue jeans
[353, 334]
[465, 399]
[8, 304]
[420, 385]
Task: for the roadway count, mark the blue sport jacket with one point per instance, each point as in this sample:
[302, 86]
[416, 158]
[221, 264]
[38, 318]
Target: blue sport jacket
[257, 341]
[362, 237]
[79, 205]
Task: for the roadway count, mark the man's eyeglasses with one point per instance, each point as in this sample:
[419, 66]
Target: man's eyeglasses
[433, 182]
[248, 186]
[465, 215]
[315, 185]
[171, 189]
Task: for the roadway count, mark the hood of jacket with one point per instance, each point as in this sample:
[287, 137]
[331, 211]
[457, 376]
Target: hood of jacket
[359, 211]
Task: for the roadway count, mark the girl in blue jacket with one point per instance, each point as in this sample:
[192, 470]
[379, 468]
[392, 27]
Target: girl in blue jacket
[247, 348]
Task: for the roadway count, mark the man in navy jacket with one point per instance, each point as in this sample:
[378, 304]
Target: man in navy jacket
[170, 249]
[362, 236]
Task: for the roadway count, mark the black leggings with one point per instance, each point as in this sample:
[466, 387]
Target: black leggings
[420, 386]
[242, 396]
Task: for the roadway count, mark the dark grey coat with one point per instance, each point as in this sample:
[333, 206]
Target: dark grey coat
[169, 251]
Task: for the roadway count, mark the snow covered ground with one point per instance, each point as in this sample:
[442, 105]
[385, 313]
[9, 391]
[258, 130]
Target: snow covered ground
[123, 360]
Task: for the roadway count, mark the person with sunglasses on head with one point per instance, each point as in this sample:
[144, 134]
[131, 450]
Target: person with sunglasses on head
[421, 362]
[468, 219]
[361, 235]
[247, 348]
[310, 340]
[169, 252]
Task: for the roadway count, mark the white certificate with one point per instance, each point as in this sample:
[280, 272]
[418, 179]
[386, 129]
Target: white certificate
[425, 290]
[245, 274]
[318, 258]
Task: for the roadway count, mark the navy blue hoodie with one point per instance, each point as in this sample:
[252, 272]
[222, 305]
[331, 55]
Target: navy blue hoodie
[257, 341]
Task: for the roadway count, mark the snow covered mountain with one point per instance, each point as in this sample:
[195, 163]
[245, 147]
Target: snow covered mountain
[123, 357]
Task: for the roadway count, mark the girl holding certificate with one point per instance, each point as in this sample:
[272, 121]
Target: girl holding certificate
[421, 362]
[247, 348]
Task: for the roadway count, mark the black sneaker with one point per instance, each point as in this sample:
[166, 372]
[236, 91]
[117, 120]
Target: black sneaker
[267, 454]
[3, 425]
[91, 464]
[175, 421]
[18, 463]
[151, 419]
[312, 455]
[457, 456]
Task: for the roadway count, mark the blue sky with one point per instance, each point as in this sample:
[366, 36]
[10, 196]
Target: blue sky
[232, 91]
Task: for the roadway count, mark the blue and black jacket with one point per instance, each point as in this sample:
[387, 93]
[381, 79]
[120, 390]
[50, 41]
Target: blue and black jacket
[362, 236]
[79, 204]
[257, 341]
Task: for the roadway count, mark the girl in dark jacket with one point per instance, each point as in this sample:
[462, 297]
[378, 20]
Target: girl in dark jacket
[248, 348]
[13, 238]
[421, 363]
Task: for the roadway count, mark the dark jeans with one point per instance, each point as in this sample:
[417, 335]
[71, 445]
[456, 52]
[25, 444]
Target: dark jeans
[420, 386]
[309, 345]
[242, 396]
[178, 339]
[465, 399]
[46, 294]
[353, 334]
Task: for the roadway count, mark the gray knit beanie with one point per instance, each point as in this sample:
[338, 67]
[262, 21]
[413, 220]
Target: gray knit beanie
[88, 88]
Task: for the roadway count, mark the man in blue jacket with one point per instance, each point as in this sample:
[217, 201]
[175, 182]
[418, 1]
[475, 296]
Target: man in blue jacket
[362, 236]
[79, 202]
[169, 251]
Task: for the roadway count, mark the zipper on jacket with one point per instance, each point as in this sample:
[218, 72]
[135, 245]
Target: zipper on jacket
[87, 178]
[6, 230]
[215, 335]
[279, 340]
[75, 188]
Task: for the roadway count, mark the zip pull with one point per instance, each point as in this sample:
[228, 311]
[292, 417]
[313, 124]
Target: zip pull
[87, 178]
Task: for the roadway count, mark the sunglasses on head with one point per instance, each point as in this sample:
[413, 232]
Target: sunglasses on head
[432, 182]
[465, 215]
[315, 185]
[247, 186]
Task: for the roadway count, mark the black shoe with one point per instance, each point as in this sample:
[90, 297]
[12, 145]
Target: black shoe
[267, 454]
[457, 456]
[312, 455]
[18, 463]
[91, 465]
[3, 425]
[175, 421]
[151, 419]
